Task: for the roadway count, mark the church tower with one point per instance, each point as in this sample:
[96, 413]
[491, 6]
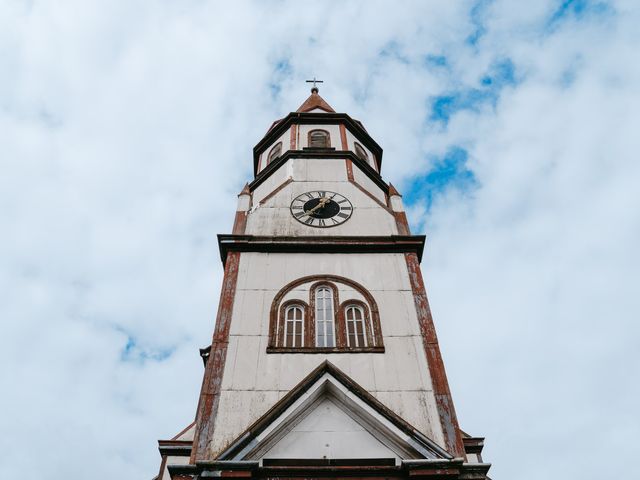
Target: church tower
[324, 360]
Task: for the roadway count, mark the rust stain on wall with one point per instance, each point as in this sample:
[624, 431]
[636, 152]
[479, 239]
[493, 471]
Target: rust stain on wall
[212, 382]
[444, 402]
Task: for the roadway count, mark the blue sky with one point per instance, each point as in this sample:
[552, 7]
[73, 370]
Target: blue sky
[126, 131]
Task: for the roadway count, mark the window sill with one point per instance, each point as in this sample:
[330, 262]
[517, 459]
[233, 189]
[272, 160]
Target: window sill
[325, 350]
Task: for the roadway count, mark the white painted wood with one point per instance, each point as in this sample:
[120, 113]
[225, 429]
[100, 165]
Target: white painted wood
[396, 203]
[328, 432]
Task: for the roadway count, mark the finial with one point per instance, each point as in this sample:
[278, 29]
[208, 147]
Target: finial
[314, 89]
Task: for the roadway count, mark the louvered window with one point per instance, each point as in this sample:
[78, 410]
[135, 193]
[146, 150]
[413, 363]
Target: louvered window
[274, 153]
[319, 139]
[361, 153]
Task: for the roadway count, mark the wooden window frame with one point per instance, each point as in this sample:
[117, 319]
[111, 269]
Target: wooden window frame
[357, 146]
[326, 132]
[291, 323]
[270, 158]
[313, 291]
[371, 319]
[281, 327]
[367, 334]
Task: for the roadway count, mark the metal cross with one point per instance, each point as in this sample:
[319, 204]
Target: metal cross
[314, 81]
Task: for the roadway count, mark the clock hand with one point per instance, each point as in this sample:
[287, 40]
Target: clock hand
[323, 202]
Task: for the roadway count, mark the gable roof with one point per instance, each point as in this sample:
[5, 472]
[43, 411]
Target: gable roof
[315, 101]
[327, 382]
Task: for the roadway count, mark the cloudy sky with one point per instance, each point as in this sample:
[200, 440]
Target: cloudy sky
[126, 130]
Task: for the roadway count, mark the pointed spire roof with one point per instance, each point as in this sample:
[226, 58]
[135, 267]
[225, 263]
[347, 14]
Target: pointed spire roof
[315, 101]
[392, 191]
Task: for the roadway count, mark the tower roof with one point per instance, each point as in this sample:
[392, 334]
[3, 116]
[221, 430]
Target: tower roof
[315, 101]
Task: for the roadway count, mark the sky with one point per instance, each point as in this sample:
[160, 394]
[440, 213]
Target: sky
[126, 132]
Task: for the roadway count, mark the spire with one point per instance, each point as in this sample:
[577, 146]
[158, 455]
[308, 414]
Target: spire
[315, 100]
[393, 192]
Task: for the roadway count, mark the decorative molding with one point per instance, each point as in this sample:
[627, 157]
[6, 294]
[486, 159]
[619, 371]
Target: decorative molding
[372, 318]
[321, 244]
[277, 189]
[355, 127]
[324, 154]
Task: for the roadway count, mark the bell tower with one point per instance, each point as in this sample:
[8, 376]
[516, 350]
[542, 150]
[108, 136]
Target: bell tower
[324, 360]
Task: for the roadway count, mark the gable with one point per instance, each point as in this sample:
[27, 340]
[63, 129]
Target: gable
[328, 431]
[328, 415]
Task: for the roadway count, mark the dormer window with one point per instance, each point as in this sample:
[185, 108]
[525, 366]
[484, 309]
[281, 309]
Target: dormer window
[275, 152]
[319, 139]
[361, 153]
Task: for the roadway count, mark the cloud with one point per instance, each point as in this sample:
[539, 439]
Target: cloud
[126, 131]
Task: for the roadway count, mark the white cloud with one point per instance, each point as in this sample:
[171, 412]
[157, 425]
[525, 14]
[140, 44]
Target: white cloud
[126, 130]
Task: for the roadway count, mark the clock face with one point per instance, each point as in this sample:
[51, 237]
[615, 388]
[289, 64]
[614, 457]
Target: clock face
[321, 209]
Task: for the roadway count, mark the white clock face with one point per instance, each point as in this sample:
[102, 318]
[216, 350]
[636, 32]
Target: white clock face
[321, 209]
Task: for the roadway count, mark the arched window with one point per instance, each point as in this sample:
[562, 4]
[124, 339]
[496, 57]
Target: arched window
[325, 336]
[274, 153]
[294, 326]
[319, 139]
[324, 324]
[361, 153]
[354, 320]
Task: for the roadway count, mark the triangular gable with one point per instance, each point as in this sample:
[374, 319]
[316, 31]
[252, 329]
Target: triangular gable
[329, 405]
[314, 102]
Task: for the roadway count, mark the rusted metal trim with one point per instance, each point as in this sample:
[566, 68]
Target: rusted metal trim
[212, 383]
[277, 189]
[372, 196]
[444, 402]
[292, 139]
[402, 224]
[343, 137]
[182, 432]
[240, 223]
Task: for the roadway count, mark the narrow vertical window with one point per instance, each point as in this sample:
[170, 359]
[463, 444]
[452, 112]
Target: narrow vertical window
[319, 139]
[324, 318]
[354, 317]
[293, 326]
[361, 153]
[274, 153]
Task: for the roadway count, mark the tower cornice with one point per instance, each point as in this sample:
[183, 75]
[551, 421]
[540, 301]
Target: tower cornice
[325, 154]
[321, 244]
[301, 118]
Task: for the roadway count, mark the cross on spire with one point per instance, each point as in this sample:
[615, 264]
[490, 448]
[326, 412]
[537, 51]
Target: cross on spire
[314, 89]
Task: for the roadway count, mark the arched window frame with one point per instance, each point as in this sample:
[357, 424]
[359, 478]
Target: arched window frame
[334, 282]
[366, 320]
[327, 135]
[274, 153]
[313, 297]
[282, 323]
